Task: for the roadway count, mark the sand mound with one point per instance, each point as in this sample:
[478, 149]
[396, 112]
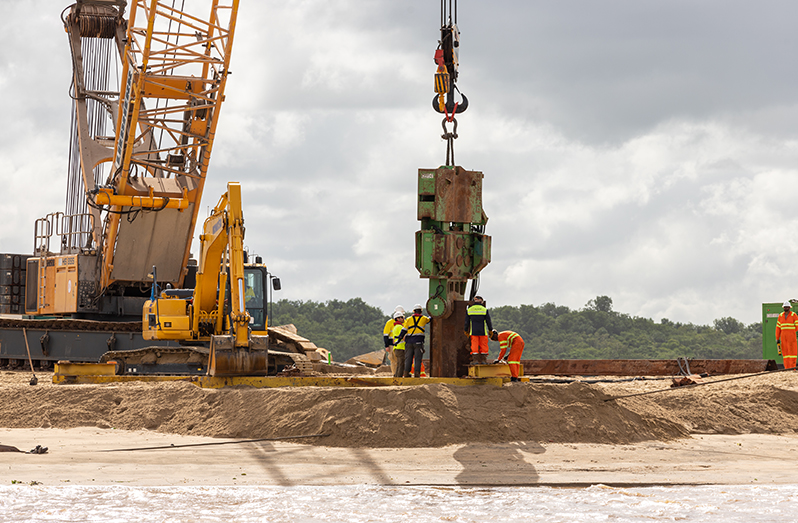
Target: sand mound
[426, 416]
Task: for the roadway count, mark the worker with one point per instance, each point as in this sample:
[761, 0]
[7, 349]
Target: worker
[386, 338]
[413, 336]
[786, 335]
[478, 325]
[398, 346]
[513, 344]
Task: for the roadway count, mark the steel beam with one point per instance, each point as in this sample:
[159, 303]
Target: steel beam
[642, 367]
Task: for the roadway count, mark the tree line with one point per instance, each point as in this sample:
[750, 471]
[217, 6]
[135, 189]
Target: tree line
[550, 331]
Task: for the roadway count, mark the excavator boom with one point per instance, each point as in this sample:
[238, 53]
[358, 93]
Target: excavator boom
[207, 314]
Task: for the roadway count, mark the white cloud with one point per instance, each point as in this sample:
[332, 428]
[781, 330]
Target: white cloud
[630, 149]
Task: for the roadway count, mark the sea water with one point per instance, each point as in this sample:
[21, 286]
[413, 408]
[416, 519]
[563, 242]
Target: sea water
[738, 503]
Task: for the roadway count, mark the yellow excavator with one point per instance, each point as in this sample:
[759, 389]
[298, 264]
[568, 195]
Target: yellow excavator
[213, 312]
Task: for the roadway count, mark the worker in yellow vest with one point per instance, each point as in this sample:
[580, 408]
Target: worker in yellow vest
[386, 338]
[786, 335]
[413, 335]
[512, 343]
[398, 345]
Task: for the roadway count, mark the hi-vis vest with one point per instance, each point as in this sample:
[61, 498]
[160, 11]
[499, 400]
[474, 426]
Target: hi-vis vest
[786, 322]
[414, 328]
[506, 343]
[397, 329]
[477, 310]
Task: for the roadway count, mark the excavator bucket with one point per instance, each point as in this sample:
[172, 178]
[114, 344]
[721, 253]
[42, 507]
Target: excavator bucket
[229, 360]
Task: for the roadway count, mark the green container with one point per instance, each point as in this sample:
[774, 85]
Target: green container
[770, 315]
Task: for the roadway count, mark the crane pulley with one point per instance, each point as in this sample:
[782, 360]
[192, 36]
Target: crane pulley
[447, 60]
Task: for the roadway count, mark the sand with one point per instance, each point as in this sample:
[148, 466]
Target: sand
[523, 433]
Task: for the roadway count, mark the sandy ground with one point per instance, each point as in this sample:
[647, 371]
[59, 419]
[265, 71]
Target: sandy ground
[78, 457]
[563, 434]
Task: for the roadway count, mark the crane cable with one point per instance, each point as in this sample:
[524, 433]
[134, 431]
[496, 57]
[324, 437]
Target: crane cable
[447, 60]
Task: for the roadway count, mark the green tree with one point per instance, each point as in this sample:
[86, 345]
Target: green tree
[550, 331]
[729, 325]
[600, 303]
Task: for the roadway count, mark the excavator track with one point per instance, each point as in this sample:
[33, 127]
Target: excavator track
[190, 360]
[159, 360]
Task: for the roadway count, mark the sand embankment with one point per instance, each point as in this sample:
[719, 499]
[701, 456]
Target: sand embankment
[432, 415]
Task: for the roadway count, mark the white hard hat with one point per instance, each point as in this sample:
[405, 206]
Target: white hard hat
[398, 314]
[417, 307]
[787, 304]
[399, 308]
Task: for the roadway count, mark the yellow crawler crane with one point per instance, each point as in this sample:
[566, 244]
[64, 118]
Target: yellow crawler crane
[140, 153]
[214, 312]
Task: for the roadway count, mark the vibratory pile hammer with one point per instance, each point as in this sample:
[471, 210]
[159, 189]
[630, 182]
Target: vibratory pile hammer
[451, 247]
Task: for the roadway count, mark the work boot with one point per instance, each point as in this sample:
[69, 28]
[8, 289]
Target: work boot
[483, 359]
[406, 375]
[515, 379]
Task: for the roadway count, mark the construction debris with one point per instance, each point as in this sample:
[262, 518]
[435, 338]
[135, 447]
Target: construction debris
[369, 359]
[692, 379]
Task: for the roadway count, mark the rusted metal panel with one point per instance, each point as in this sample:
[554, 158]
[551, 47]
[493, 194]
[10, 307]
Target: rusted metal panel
[449, 350]
[153, 239]
[642, 367]
[450, 194]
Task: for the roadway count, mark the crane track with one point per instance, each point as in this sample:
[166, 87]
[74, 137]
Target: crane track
[68, 324]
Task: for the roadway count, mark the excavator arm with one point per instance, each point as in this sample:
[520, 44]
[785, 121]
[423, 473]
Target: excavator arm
[206, 315]
[223, 239]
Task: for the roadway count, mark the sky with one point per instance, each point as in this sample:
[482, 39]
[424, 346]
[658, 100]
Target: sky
[646, 151]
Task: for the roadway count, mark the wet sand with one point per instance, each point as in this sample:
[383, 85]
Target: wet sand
[76, 456]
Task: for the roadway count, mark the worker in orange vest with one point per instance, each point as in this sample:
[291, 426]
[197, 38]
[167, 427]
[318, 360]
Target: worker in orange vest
[512, 343]
[786, 336]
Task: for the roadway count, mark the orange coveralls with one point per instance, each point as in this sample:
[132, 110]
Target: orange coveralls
[785, 331]
[514, 344]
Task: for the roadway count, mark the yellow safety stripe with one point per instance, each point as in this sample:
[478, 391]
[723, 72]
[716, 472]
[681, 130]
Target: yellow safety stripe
[509, 340]
[787, 327]
[516, 362]
[442, 83]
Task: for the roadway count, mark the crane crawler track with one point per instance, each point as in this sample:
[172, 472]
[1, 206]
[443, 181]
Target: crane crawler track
[66, 324]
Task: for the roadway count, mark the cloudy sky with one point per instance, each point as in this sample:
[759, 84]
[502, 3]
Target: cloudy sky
[647, 151]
